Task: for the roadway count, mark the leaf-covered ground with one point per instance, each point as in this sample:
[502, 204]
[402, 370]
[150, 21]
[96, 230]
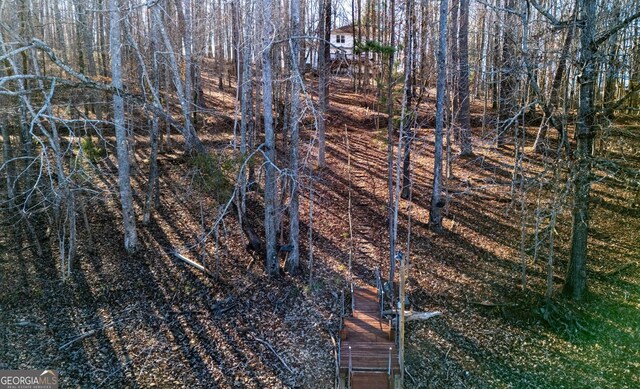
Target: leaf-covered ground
[150, 320]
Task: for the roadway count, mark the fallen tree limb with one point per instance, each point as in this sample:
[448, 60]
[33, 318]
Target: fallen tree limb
[421, 315]
[406, 370]
[412, 316]
[72, 341]
[192, 263]
[29, 324]
[274, 353]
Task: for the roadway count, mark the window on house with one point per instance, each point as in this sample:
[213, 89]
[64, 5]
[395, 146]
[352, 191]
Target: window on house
[340, 39]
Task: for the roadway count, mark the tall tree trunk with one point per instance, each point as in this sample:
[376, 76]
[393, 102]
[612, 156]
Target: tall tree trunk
[611, 79]
[85, 28]
[453, 65]
[367, 34]
[189, 64]
[218, 46]
[508, 77]
[353, 50]
[246, 103]
[80, 26]
[60, 31]
[390, 84]
[155, 129]
[408, 119]
[323, 76]
[293, 259]
[358, 39]
[124, 177]
[576, 280]
[235, 41]
[437, 202]
[270, 219]
[495, 67]
[464, 121]
[104, 67]
[183, 8]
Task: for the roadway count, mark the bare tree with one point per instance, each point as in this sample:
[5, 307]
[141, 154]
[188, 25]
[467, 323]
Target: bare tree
[508, 78]
[155, 124]
[293, 259]
[270, 207]
[586, 127]
[324, 54]
[389, 98]
[124, 176]
[437, 202]
[408, 111]
[454, 62]
[463, 116]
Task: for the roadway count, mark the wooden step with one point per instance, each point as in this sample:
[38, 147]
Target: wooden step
[372, 356]
[370, 380]
[366, 293]
[356, 329]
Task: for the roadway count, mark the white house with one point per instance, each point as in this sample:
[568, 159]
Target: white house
[342, 42]
[341, 47]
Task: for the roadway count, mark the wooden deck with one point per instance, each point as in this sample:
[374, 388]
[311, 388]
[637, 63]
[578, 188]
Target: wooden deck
[373, 354]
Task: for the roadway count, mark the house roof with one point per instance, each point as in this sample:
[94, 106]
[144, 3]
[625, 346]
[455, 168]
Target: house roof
[348, 29]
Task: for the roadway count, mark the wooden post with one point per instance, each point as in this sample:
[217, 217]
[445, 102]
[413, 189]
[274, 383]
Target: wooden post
[350, 367]
[353, 300]
[401, 321]
[342, 310]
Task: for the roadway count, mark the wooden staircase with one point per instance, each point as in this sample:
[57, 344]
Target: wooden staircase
[368, 354]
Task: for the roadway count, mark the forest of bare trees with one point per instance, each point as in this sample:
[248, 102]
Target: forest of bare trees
[108, 101]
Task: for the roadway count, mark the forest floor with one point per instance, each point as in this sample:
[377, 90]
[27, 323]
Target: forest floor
[149, 320]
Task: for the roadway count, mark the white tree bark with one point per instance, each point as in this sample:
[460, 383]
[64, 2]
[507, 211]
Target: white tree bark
[293, 259]
[437, 203]
[463, 81]
[270, 220]
[185, 10]
[124, 176]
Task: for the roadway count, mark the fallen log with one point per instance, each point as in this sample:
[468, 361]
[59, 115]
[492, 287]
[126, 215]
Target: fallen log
[421, 316]
[192, 263]
[412, 316]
